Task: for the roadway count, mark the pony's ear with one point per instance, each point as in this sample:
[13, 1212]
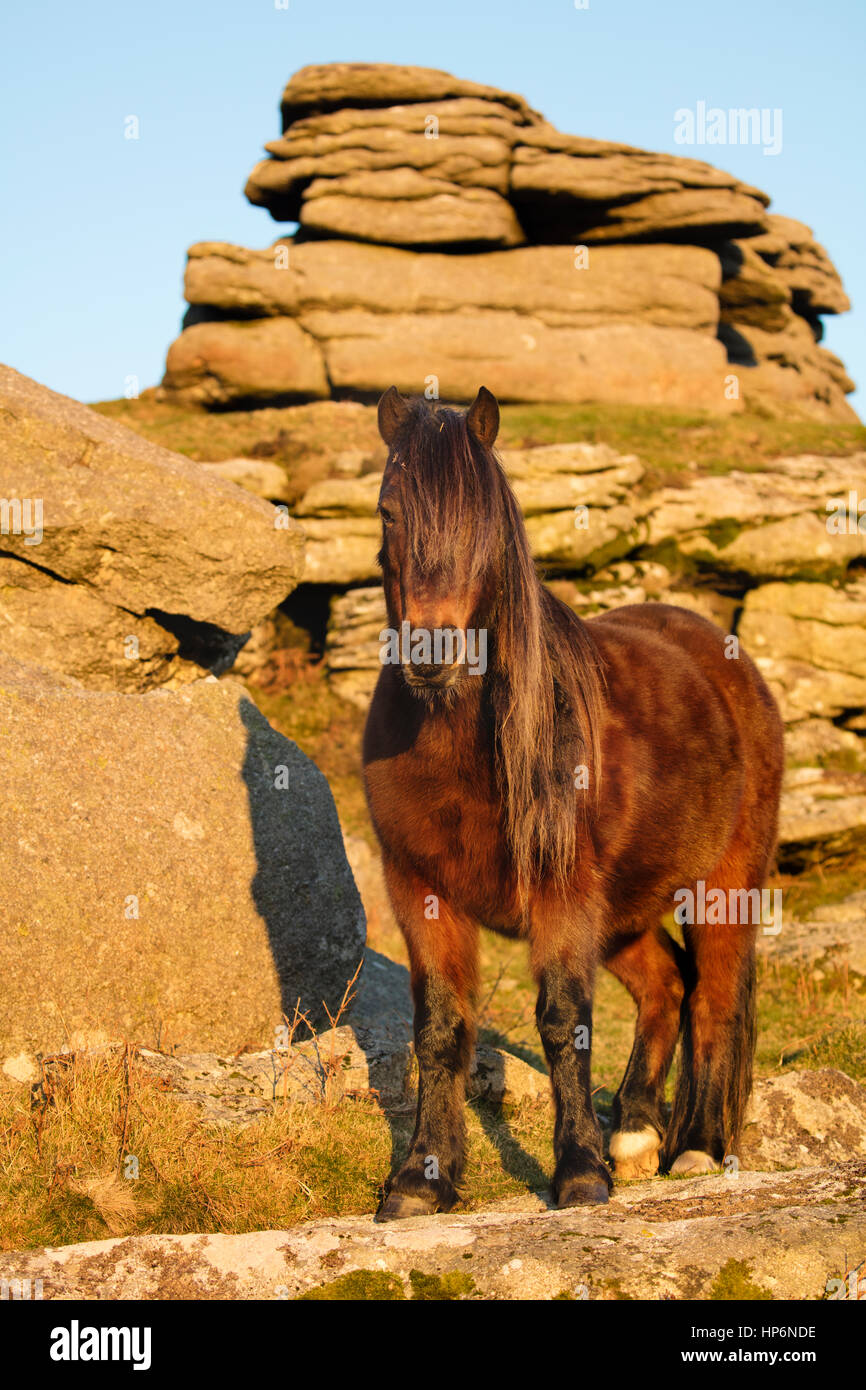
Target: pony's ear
[482, 418]
[393, 412]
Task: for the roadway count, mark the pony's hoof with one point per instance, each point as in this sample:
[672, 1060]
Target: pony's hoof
[692, 1161]
[635, 1153]
[583, 1192]
[398, 1205]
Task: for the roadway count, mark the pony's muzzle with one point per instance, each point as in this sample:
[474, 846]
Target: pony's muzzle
[437, 676]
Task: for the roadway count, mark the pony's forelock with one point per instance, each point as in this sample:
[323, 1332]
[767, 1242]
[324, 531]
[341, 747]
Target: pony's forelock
[543, 682]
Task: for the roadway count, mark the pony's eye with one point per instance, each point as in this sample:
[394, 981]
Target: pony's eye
[386, 516]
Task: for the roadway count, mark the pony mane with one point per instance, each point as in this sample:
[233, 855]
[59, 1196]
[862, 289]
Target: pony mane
[544, 682]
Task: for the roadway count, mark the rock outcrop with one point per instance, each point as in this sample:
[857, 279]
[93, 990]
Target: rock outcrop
[173, 869]
[448, 232]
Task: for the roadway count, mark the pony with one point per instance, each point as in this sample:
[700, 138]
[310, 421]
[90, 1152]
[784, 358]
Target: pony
[563, 791]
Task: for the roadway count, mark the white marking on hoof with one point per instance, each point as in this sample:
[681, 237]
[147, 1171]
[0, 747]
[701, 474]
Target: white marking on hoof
[694, 1161]
[635, 1152]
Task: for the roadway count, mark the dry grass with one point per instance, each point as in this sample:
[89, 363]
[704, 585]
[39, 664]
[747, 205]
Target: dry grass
[100, 1148]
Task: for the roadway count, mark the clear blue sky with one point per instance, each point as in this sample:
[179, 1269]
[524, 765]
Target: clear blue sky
[95, 227]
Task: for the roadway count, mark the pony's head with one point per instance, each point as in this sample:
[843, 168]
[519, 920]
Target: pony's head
[443, 506]
[455, 556]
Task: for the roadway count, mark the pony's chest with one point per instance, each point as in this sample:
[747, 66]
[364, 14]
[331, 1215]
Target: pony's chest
[444, 817]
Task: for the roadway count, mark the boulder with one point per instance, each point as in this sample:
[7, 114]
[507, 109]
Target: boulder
[447, 216]
[630, 323]
[751, 292]
[520, 358]
[69, 629]
[176, 877]
[815, 740]
[142, 557]
[258, 476]
[785, 368]
[339, 1063]
[570, 188]
[352, 647]
[381, 157]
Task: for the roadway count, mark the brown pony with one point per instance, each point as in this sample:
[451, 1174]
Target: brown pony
[564, 789]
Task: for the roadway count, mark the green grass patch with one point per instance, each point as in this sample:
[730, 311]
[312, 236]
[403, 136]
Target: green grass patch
[667, 441]
[734, 1283]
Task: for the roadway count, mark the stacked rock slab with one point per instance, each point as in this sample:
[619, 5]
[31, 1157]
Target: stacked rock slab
[448, 232]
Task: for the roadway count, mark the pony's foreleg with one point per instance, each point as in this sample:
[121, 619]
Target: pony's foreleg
[649, 967]
[565, 972]
[443, 955]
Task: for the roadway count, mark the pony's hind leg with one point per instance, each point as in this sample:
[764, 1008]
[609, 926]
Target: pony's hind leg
[648, 966]
[443, 955]
[718, 1041]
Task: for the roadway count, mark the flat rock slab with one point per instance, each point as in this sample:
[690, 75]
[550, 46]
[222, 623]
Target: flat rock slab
[755, 1236]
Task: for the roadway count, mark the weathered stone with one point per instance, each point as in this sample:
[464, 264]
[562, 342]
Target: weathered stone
[835, 937]
[822, 813]
[705, 215]
[328, 86]
[343, 533]
[773, 524]
[809, 742]
[217, 363]
[192, 891]
[786, 368]
[751, 291]
[68, 628]
[805, 1119]
[352, 648]
[802, 265]
[520, 358]
[258, 476]
[379, 156]
[446, 217]
[529, 322]
[142, 529]
[709, 1237]
[670, 286]
[810, 642]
